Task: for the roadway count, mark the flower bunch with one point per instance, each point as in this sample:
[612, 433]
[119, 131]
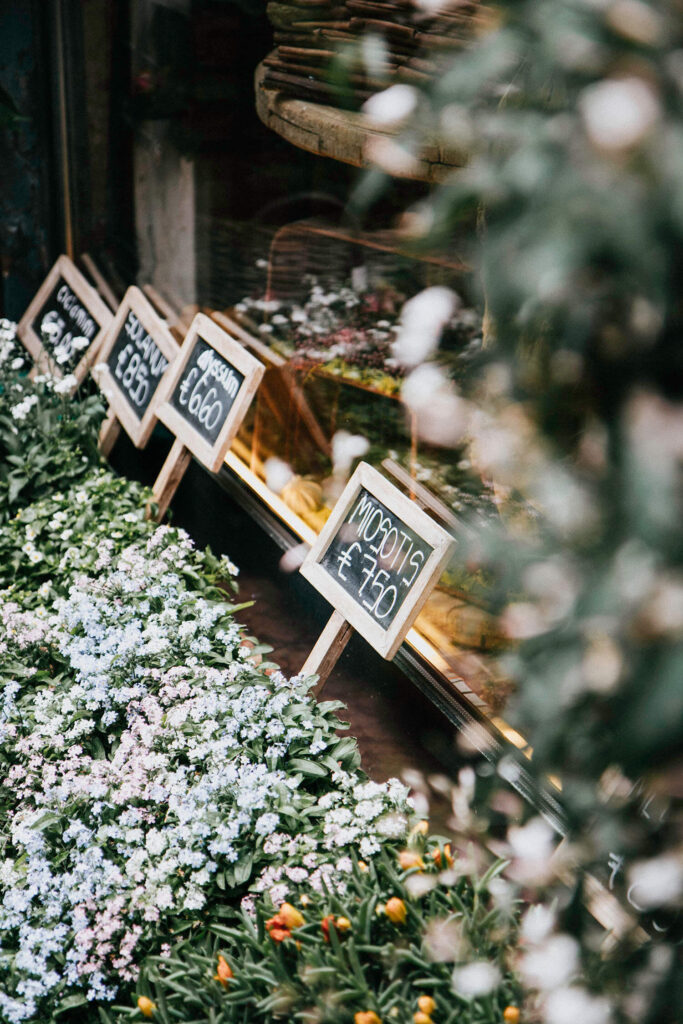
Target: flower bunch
[149, 765]
[80, 530]
[352, 332]
[47, 439]
[327, 957]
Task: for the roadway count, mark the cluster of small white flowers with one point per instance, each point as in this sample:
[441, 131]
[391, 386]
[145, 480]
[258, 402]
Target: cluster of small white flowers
[21, 410]
[354, 815]
[66, 385]
[325, 312]
[153, 765]
[9, 351]
[66, 350]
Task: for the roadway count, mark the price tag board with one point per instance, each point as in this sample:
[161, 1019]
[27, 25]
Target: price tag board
[136, 352]
[65, 322]
[207, 392]
[377, 559]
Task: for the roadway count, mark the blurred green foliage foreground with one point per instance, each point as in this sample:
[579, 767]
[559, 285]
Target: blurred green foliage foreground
[571, 115]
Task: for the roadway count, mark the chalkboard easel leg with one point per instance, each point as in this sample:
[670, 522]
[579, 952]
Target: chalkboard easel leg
[329, 646]
[170, 475]
[109, 432]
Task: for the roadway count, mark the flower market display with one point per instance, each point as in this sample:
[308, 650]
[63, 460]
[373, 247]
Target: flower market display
[184, 835]
[358, 333]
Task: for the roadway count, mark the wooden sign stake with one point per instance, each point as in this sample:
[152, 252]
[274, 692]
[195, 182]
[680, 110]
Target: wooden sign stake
[109, 432]
[172, 471]
[327, 650]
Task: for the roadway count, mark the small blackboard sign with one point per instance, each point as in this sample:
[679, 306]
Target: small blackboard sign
[208, 391]
[377, 558]
[65, 322]
[136, 352]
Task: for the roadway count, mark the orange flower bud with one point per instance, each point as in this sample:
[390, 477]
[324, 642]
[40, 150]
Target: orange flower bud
[410, 859]
[511, 1015]
[395, 909]
[342, 924]
[421, 1018]
[223, 972]
[366, 1017]
[146, 1006]
[422, 827]
[291, 918]
[279, 934]
[362, 866]
[426, 1004]
[447, 855]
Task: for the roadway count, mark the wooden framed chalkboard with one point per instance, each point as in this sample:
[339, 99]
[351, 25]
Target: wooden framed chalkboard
[376, 560]
[65, 322]
[206, 393]
[134, 356]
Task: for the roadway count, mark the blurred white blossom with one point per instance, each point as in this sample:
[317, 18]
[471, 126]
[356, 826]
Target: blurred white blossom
[392, 105]
[293, 559]
[619, 113]
[537, 924]
[423, 318]
[444, 940]
[476, 979]
[278, 474]
[552, 964]
[419, 884]
[532, 847]
[390, 156]
[657, 882]
[635, 20]
[574, 1005]
[346, 448]
[441, 414]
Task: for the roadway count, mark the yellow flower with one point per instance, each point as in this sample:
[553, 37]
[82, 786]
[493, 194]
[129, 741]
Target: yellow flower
[366, 1017]
[410, 859]
[421, 1018]
[223, 972]
[146, 1006]
[290, 916]
[395, 909]
[511, 1015]
[342, 924]
[362, 866]
[427, 1005]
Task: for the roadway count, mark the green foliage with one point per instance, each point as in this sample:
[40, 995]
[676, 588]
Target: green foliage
[49, 542]
[571, 114]
[56, 446]
[347, 956]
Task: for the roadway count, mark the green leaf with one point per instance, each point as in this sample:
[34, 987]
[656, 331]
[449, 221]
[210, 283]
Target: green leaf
[309, 768]
[71, 1002]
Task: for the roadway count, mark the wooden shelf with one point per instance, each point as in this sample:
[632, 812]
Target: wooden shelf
[342, 134]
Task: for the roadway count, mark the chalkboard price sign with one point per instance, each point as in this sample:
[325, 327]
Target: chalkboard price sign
[377, 559]
[208, 391]
[136, 352]
[65, 323]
